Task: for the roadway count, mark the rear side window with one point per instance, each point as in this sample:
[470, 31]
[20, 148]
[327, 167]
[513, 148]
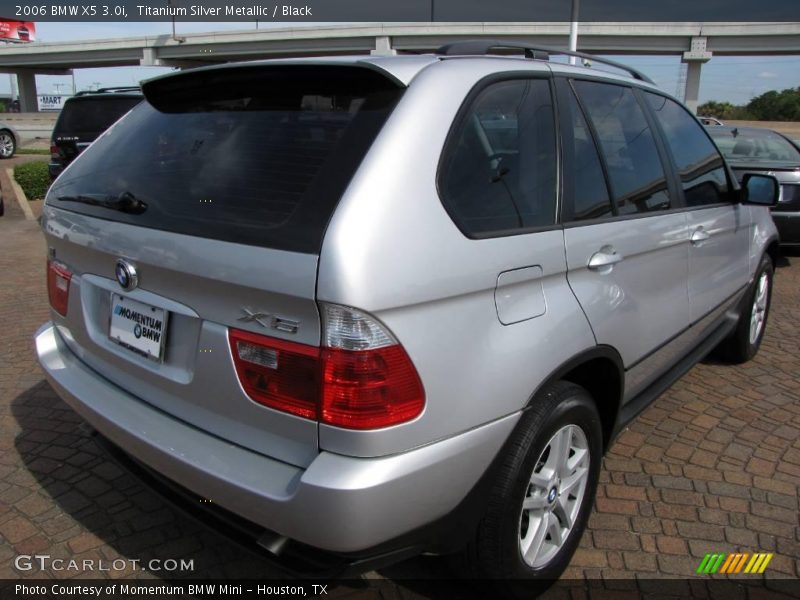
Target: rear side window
[92, 115]
[254, 155]
[498, 174]
[634, 167]
[699, 163]
[587, 185]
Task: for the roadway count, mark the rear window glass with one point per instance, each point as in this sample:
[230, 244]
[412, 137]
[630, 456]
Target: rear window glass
[92, 115]
[257, 156]
[754, 145]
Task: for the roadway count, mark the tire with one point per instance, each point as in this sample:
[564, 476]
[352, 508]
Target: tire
[745, 340]
[503, 548]
[8, 145]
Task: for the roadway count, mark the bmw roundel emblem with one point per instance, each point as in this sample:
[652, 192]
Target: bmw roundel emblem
[126, 275]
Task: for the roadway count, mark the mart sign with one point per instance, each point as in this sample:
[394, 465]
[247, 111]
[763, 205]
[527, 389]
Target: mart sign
[51, 102]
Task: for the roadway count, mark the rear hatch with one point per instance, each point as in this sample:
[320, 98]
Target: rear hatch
[215, 194]
[84, 118]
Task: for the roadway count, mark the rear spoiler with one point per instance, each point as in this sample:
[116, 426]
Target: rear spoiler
[198, 89]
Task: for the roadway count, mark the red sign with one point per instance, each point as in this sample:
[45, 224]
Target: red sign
[17, 31]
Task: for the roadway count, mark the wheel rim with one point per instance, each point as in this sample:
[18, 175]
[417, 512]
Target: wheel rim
[758, 315]
[554, 496]
[6, 145]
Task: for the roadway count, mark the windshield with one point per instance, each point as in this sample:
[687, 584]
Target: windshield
[261, 158]
[754, 145]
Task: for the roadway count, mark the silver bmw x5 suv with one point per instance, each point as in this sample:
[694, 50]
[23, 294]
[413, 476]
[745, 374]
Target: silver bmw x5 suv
[376, 306]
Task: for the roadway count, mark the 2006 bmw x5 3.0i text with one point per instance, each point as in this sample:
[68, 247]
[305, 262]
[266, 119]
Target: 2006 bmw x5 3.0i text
[377, 306]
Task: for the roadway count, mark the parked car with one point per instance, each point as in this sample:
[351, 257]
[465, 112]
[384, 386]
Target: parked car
[83, 118]
[377, 306]
[9, 140]
[710, 121]
[755, 150]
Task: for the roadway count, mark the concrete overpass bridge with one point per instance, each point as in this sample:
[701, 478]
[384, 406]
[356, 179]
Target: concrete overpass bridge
[696, 43]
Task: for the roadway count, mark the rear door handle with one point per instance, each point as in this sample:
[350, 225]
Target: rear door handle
[604, 259]
[699, 236]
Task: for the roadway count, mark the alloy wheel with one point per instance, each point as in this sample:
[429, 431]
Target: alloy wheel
[554, 496]
[758, 315]
[6, 145]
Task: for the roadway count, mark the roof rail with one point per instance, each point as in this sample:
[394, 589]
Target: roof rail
[483, 47]
[111, 90]
[122, 88]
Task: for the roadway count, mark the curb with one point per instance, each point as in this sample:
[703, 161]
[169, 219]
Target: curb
[22, 200]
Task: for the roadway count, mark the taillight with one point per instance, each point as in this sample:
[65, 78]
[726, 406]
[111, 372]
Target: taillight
[58, 279]
[361, 378]
[55, 153]
[279, 374]
[368, 380]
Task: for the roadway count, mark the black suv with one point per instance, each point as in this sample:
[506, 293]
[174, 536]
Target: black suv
[84, 117]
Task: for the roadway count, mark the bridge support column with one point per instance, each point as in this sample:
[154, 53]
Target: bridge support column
[694, 60]
[28, 101]
[383, 46]
[150, 58]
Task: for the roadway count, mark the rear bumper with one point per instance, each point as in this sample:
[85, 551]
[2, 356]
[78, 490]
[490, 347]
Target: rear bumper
[788, 224]
[338, 504]
[54, 170]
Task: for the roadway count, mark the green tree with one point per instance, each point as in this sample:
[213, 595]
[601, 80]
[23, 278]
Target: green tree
[713, 108]
[723, 110]
[776, 106]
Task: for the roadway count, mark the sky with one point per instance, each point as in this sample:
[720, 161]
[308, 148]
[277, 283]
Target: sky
[732, 79]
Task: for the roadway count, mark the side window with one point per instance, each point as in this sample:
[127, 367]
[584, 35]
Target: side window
[499, 168]
[699, 162]
[635, 170]
[588, 190]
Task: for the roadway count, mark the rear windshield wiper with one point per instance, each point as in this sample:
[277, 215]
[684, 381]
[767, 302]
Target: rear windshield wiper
[125, 202]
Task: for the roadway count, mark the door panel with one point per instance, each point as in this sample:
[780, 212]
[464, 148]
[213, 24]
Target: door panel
[718, 265]
[718, 239]
[640, 302]
[629, 274]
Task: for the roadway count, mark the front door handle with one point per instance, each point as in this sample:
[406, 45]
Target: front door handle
[604, 259]
[699, 236]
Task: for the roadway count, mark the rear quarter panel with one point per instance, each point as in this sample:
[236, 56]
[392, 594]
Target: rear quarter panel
[391, 249]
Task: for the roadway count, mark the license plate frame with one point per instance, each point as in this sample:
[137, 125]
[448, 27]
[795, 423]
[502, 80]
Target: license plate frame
[151, 321]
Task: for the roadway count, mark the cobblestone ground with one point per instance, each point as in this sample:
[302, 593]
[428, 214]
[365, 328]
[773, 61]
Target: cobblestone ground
[712, 466]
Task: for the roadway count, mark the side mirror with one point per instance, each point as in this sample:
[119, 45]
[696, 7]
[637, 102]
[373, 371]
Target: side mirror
[761, 190]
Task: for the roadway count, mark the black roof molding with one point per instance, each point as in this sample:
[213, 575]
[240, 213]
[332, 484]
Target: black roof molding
[484, 47]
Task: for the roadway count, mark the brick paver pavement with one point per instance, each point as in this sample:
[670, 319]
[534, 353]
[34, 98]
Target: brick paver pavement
[712, 466]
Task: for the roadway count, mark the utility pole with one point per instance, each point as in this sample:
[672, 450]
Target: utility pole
[573, 30]
[180, 40]
[12, 80]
